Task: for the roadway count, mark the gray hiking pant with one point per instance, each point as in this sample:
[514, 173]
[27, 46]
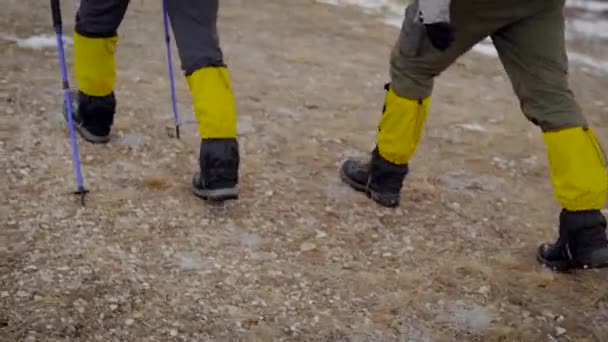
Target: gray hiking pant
[529, 38]
[194, 23]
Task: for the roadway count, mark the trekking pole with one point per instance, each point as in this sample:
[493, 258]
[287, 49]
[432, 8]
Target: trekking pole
[56, 12]
[170, 67]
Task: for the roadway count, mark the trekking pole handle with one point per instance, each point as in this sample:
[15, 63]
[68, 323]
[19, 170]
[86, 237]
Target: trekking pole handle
[56, 11]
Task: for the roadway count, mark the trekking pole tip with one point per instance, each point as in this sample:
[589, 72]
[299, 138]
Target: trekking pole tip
[177, 131]
[82, 192]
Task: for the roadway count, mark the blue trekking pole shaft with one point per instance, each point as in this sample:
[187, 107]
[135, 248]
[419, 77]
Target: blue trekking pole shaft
[57, 24]
[170, 67]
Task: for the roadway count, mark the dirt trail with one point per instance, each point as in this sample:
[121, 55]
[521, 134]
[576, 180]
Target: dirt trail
[300, 256]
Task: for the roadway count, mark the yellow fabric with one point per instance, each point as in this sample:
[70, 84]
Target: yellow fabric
[401, 127]
[213, 102]
[578, 168]
[94, 64]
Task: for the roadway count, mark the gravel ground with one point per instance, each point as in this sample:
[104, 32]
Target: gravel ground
[300, 257]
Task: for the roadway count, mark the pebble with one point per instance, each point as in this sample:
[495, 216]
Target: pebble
[484, 290]
[129, 321]
[307, 246]
[559, 331]
[4, 294]
[321, 234]
[173, 332]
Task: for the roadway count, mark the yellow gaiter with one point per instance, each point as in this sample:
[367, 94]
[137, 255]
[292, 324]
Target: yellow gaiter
[401, 126]
[94, 65]
[213, 102]
[578, 168]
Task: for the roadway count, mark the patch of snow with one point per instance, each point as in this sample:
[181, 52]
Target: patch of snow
[598, 65]
[38, 42]
[588, 5]
[486, 48]
[474, 127]
[588, 29]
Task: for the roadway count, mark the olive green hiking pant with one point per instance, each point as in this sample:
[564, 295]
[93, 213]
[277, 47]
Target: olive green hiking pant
[529, 38]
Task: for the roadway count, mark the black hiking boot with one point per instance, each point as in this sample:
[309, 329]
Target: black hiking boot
[93, 116]
[582, 242]
[378, 178]
[217, 179]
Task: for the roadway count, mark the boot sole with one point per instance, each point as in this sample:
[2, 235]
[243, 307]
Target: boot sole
[565, 266]
[84, 133]
[217, 194]
[380, 199]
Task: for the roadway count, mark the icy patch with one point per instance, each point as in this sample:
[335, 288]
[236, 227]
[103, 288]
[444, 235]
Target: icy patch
[411, 329]
[131, 140]
[463, 317]
[38, 42]
[193, 262]
[245, 126]
[290, 113]
[473, 127]
[460, 180]
[250, 240]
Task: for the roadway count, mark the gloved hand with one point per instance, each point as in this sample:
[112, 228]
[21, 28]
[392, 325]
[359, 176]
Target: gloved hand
[440, 34]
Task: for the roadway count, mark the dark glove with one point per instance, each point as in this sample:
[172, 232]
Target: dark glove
[440, 34]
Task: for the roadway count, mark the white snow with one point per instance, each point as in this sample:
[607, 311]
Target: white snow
[597, 29]
[486, 49]
[594, 25]
[37, 42]
[600, 66]
[588, 5]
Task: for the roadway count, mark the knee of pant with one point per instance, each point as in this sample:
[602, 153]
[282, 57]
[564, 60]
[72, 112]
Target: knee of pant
[94, 65]
[213, 102]
[578, 168]
[400, 128]
[550, 107]
[408, 80]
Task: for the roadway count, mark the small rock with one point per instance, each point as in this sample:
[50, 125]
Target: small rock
[473, 127]
[21, 293]
[387, 255]
[484, 290]
[321, 234]
[559, 331]
[559, 319]
[4, 294]
[113, 307]
[173, 332]
[30, 268]
[307, 246]
[30, 338]
[129, 321]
